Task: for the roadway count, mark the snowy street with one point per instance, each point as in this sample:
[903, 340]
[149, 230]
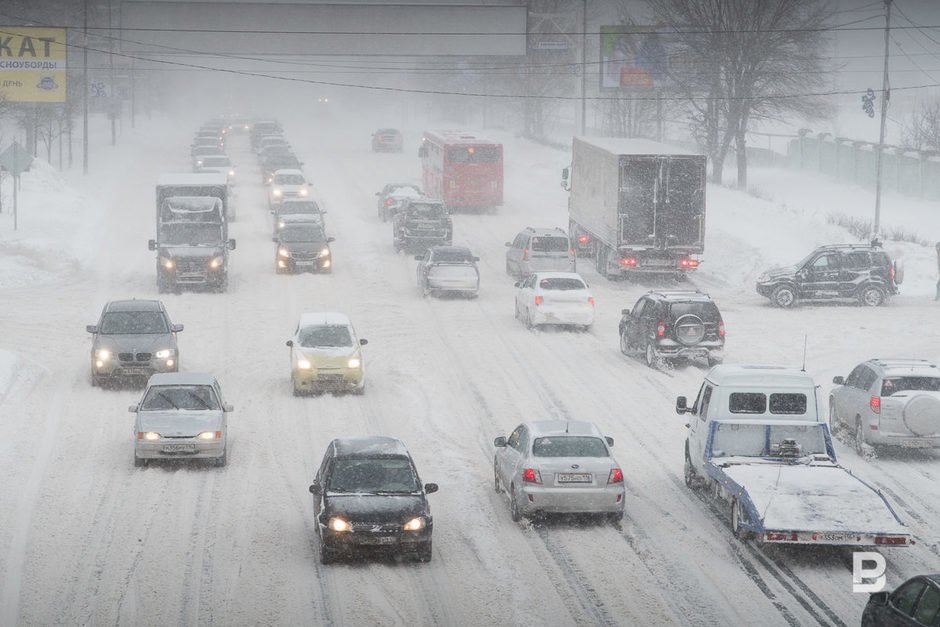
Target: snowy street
[87, 538]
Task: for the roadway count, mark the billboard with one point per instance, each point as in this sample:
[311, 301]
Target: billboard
[633, 58]
[32, 64]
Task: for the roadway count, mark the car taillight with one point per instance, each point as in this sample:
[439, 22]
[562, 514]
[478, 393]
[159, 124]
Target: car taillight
[583, 239]
[531, 475]
[721, 328]
[875, 403]
[591, 301]
[389, 202]
[661, 329]
[525, 254]
[890, 540]
[628, 261]
[571, 252]
[688, 263]
[616, 476]
[891, 271]
[538, 299]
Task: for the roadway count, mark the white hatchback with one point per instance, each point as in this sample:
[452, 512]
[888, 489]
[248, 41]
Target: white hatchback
[289, 183]
[558, 298]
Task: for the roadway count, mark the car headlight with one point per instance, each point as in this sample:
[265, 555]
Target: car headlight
[167, 263]
[338, 524]
[415, 524]
[231, 172]
[354, 362]
[165, 353]
[148, 435]
[303, 192]
[103, 354]
[280, 224]
[210, 435]
[325, 252]
[283, 252]
[276, 193]
[216, 263]
[304, 364]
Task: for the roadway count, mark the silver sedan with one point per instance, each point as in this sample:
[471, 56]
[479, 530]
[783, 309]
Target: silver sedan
[558, 467]
[181, 416]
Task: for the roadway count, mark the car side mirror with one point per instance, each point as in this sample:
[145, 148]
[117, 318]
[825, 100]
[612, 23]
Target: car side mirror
[378, 193]
[290, 342]
[228, 408]
[517, 284]
[132, 409]
[423, 151]
[625, 312]
[879, 598]
[330, 239]
[419, 257]
[500, 442]
[838, 380]
[152, 244]
[231, 244]
[476, 258]
[682, 405]
[363, 342]
[430, 488]
[316, 488]
[610, 440]
[91, 328]
[176, 328]
[274, 239]
[508, 244]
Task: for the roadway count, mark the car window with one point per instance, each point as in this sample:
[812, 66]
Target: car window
[904, 598]
[393, 475]
[473, 154]
[569, 446]
[747, 403]
[513, 439]
[706, 399]
[856, 260]
[299, 207]
[133, 323]
[826, 262]
[426, 210]
[892, 385]
[562, 284]
[187, 397]
[325, 337]
[639, 307]
[787, 403]
[289, 179]
[550, 244]
[708, 312]
[928, 608]
[852, 379]
[523, 438]
[866, 378]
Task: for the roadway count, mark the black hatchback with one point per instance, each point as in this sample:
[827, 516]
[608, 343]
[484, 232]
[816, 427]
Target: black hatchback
[856, 272]
[367, 496]
[302, 247]
[916, 602]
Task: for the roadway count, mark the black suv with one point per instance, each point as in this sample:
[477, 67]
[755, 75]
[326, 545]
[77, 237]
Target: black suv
[673, 325]
[859, 272]
[367, 495]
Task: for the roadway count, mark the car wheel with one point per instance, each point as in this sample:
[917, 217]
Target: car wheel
[94, 380]
[221, 461]
[383, 215]
[615, 517]
[736, 519]
[514, 512]
[528, 319]
[425, 552]
[714, 361]
[508, 269]
[517, 311]
[834, 422]
[653, 360]
[624, 344]
[360, 389]
[859, 438]
[783, 296]
[496, 480]
[691, 477]
[293, 384]
[326, 555]
[871, 296]
[138, 462]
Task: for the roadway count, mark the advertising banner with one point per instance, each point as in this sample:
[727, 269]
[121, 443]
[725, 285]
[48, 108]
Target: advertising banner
[32, 64]
[633, 58]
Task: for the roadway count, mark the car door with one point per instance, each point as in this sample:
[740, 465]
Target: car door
[422, 269]
[843, 396]
[514, 253]
[634, 323]
[524, 297]
[698, 424]
[822, 276]
[322, 478]
[862, 396]
[899, 610]
[507, 457]
[854, 267]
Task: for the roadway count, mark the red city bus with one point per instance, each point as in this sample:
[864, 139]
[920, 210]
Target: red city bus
[463, 170]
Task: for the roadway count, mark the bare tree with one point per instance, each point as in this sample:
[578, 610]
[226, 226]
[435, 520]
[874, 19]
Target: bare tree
[922, 129]
[746, 61]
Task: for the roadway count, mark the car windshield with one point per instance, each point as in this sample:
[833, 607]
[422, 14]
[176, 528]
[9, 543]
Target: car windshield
[325, 336]
[893, 385]
[550, 244]
[473, 154]
[386, 475]
[569, 446]
[562, 283]
[187, 397]
[452, 256]
[288, 208]
[426, 210]
[190, 233]
[216, 161]
[406, 191]
[757, 440]
[302, 233]
[289, 179]
[133, 323]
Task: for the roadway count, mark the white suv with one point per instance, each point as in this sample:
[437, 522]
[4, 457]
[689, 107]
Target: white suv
[889, 402]
[287, 184]
[539, 250]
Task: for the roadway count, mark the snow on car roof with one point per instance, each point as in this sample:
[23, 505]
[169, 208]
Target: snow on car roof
[563, 427]
[181, 378]
[291, 171]
[760, 376]
[559, 275]
[635, 146]
[369, 445]
[190, 178]
[134, 305]
[324, 318]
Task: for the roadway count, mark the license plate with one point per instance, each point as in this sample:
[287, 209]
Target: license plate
[574, 477]
[179, 448]
[136, 371]
[836, 537]
[657, 262]
[305, 264]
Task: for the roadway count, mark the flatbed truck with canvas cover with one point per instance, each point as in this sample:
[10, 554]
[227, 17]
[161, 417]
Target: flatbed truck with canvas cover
[757, 443]
[636, 206]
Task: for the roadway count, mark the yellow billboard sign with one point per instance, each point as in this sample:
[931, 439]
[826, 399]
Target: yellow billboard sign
[32, 64]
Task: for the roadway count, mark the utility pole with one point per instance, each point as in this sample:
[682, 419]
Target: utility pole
[583, 67]
[112, 100]
[85, 94]
[885, 97]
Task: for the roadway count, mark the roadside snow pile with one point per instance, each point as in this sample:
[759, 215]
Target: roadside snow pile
[40, 250]
[8, 363]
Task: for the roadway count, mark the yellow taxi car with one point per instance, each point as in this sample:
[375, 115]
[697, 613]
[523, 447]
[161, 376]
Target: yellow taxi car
[326, 355]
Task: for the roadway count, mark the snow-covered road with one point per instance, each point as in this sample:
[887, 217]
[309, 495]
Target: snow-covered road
[85, 538]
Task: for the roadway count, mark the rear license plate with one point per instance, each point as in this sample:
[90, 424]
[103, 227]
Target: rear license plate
[574, 477]
[836, 537]
[657, 262]
[179, 448]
